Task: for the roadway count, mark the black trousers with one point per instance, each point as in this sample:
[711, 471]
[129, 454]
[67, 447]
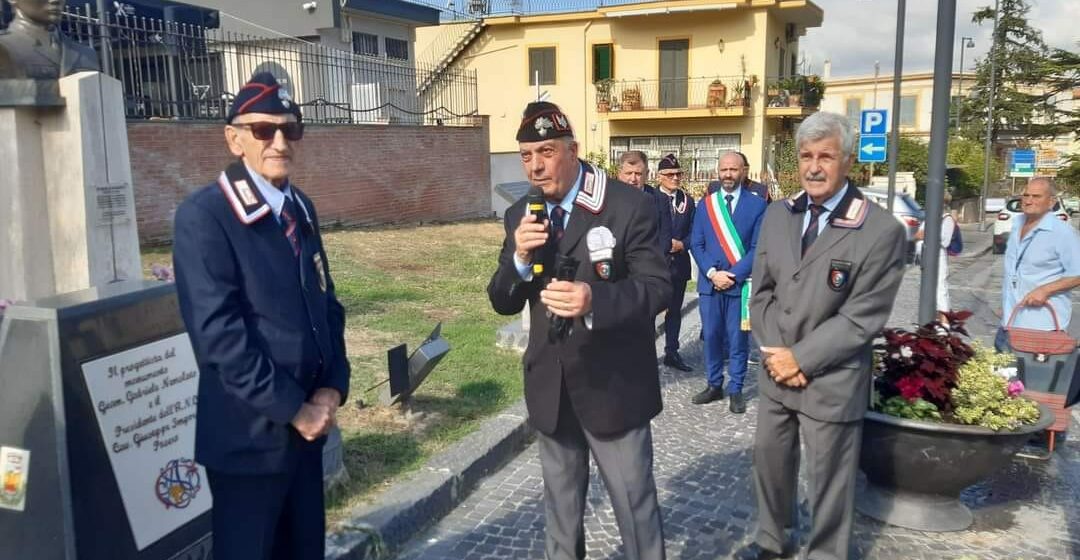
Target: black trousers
[673, 318]
[270, 517]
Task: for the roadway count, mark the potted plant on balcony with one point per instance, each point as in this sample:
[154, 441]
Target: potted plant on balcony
[631, 99]
[793, 86]
[717, 95]
[942, 418]
[814, 89]
[603, 95]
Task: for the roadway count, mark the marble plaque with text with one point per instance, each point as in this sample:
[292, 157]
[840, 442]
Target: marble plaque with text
[145, 400]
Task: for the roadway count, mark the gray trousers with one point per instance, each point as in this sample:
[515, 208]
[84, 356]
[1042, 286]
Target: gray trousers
[832, 450]
[625, 463]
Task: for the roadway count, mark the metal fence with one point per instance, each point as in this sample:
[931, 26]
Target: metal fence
[178, 71]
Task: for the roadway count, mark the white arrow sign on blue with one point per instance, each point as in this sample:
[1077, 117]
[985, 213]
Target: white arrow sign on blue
[872, 149]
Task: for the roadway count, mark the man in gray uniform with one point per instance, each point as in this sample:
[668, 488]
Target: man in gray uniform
[826, 273]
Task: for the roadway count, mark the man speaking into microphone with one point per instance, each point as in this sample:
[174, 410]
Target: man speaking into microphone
[592, 382]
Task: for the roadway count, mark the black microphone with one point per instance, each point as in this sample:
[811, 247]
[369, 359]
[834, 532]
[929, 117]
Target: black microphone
[565, 269]
[536, 206]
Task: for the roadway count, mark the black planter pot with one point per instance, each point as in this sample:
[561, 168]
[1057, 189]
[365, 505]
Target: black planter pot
[916, 470]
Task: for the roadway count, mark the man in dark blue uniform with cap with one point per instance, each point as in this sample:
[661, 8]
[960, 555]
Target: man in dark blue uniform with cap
[256, 295]
[681, 207]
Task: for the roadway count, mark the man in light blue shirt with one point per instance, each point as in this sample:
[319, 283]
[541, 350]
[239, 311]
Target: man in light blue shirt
[1042, 263]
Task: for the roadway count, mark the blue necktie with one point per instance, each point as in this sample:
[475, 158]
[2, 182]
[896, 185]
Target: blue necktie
[729, 198]
[558, 216]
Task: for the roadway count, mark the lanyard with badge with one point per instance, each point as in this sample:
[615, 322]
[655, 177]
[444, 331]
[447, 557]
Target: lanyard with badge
[1020, 258]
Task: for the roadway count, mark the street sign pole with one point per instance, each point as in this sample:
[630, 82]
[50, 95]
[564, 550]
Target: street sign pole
[898, 69]
[939, 145]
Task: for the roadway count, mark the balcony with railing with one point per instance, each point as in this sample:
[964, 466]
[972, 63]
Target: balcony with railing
[793, 96]
[708, 96]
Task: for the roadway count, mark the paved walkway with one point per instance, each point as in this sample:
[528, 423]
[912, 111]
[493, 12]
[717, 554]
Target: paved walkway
[702, 468]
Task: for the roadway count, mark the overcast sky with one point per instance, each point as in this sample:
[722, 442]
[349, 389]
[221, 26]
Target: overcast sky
[855, 33]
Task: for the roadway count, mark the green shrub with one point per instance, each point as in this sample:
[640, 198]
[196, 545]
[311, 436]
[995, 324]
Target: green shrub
[982, 397]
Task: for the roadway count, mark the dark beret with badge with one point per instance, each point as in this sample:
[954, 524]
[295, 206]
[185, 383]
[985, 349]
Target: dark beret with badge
[263, 94]
[668, 162]
[543, 121]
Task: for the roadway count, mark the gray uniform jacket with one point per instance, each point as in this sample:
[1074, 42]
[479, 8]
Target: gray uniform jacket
[828, 305]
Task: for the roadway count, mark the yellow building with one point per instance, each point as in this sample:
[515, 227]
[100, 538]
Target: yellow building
[683, 76]
[850, 96]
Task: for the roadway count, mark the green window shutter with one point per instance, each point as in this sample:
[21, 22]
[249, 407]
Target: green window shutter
[603, 62]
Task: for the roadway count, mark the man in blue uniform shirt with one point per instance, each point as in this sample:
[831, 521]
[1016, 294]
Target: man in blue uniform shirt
[258, 302]
[1042, 265]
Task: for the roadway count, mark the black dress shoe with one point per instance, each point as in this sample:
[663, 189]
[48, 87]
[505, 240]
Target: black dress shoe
[675, 360]
[709, 395]
[736, 403]
[753, 551]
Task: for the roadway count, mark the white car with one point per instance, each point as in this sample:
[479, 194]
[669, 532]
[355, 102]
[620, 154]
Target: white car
[1004, 223]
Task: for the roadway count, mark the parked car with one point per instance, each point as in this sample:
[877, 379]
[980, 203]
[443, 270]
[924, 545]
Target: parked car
[994, 205]
[1072, 205]
[906, 211]
[1004, 223]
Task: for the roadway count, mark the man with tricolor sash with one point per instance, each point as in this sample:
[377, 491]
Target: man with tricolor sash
[723, 239]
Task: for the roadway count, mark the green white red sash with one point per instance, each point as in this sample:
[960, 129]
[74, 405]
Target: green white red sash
[733, 247]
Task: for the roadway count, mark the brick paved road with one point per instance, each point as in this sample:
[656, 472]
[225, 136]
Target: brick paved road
[702, 470]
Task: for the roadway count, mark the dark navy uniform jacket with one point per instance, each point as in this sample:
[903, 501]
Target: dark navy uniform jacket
[266, 326]
[663, 217]
[682, 225]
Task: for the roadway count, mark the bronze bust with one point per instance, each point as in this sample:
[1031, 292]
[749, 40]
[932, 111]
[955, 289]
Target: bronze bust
[32, 46]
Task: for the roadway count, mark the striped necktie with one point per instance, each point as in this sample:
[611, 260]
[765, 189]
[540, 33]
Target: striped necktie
[811, 233]
[288, 222]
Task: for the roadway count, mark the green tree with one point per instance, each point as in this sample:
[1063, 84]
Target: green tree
[1059, 76]
[966, 163]
[1068, 177]
[912, 156]
[1021, 62]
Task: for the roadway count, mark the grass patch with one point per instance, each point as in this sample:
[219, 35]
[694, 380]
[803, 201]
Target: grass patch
[395, 284]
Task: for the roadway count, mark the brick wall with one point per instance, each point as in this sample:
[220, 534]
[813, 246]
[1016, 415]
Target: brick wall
[355, 174]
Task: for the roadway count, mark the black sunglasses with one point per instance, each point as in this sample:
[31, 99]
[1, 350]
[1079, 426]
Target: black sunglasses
[293, 131]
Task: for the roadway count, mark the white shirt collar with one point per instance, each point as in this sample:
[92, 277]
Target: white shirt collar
[734, 196]
[273, 196]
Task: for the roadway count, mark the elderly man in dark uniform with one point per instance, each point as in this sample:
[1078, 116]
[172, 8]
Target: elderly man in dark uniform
[828, 266]
[634, 171]
[591, 378]
[681, 206]
[257, 298]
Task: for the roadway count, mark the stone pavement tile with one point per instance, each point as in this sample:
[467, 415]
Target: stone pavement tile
[702, 468]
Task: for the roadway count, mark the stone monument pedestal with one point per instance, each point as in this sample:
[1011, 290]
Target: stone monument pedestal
[69, 223]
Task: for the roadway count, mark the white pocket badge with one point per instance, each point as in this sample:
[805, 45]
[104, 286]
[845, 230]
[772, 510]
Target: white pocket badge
[601, 243]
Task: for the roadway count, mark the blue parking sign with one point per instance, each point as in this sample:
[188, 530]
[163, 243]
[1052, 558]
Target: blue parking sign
[872, 121]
